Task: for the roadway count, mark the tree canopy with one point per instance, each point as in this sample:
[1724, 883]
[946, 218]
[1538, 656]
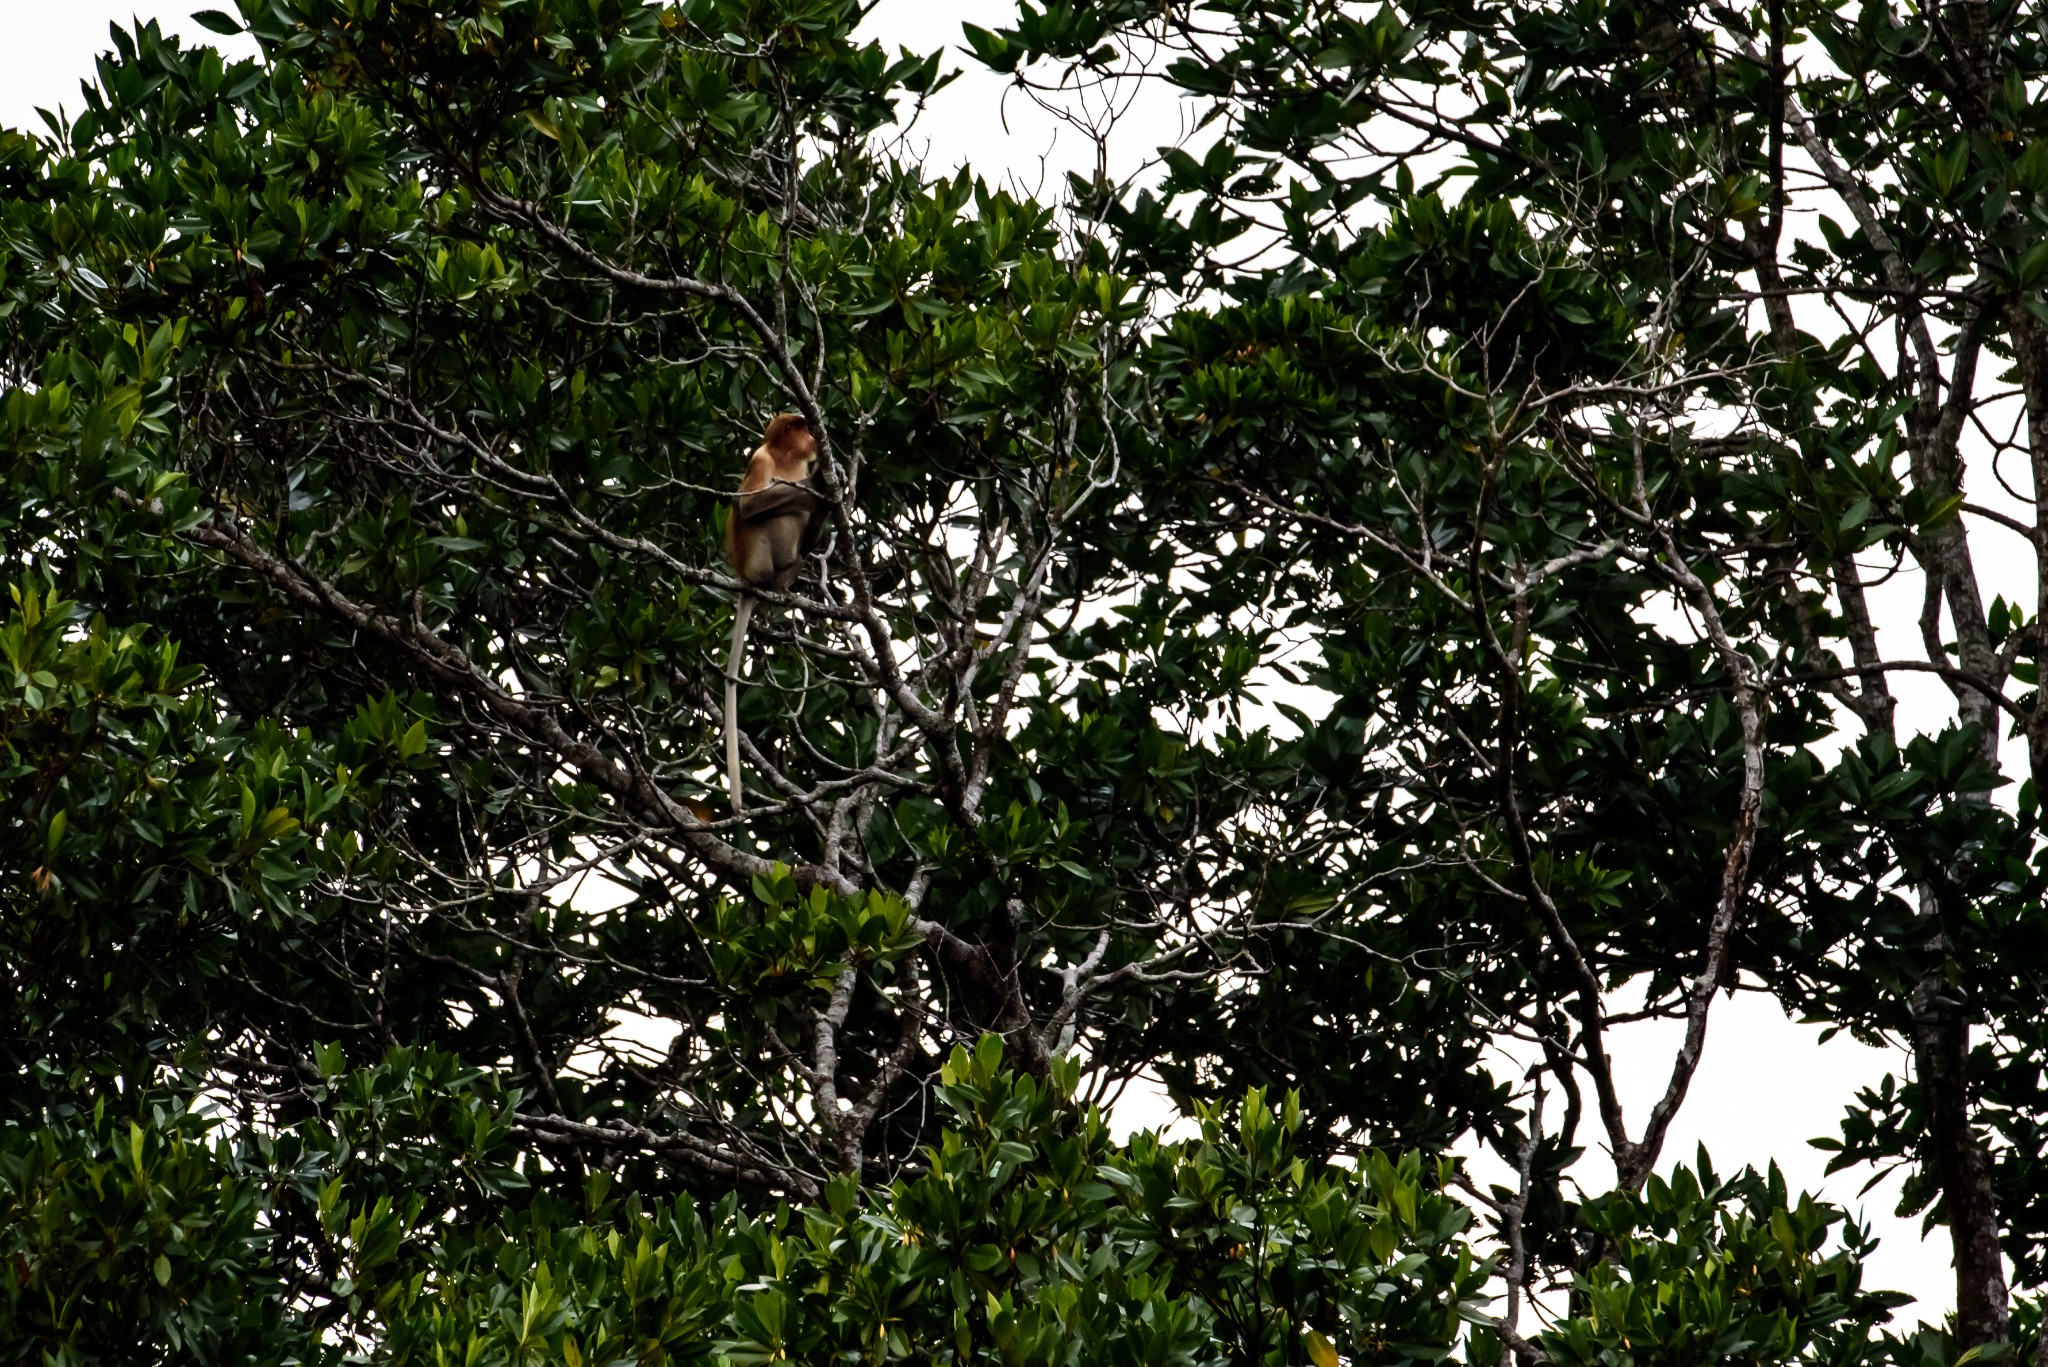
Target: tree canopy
[1341, 623]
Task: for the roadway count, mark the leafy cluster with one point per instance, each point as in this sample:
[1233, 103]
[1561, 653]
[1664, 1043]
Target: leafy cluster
[1362, 615]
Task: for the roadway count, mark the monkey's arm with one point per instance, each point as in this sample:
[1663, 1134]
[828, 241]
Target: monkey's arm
[758, 505]
[814, 527]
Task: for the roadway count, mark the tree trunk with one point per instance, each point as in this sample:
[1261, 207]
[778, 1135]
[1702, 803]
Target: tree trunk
[1941, 1050]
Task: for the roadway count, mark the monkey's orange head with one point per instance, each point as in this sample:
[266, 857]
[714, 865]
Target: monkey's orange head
[790, 435]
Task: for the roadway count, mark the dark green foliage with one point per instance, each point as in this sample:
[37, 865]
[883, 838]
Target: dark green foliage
[1031, 1239]
[1355, 620]
[137, 1239]
[1586, 456]
[1706, 1271]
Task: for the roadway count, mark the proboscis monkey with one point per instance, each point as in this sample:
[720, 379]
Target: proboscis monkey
[776, 520]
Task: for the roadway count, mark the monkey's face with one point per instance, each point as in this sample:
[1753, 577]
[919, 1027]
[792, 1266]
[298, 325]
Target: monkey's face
[790, 437]
[798, 454]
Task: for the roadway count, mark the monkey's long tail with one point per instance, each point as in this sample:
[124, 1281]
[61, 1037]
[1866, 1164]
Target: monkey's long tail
[741, 616]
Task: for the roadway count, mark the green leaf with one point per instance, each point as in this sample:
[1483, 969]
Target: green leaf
[414, 741]
[992, 50]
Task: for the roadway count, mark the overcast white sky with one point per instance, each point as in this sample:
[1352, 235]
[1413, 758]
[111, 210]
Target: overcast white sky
[1766, 1085]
